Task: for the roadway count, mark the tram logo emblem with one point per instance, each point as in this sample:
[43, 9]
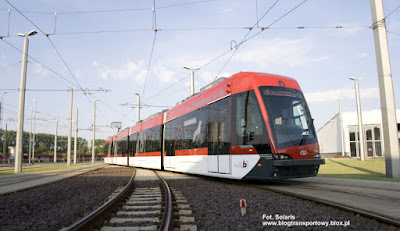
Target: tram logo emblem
[245, 163]
[303, 152]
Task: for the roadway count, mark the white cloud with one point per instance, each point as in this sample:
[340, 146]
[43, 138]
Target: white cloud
[277, 51]
[364, 55]
[136, 71]
[131, 70]
[320, 59]
[39, 69]
[164, 75]
[333, 95]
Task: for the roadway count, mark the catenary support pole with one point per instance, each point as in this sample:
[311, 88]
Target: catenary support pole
[5, 144]
[34, 136]
[21, 107]
[191, 79]
[30, 139]
[76, 136]
[361, 140]
[69, 128]
[360, 123]
[138, 108]
[341, 126]
[388, 108]
[94, 132]
[55, 143]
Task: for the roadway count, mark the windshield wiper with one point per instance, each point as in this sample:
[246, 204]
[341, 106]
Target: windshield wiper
[308, 131]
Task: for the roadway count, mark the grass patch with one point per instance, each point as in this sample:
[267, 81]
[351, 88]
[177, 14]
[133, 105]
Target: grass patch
[38, 169]
[373, 169]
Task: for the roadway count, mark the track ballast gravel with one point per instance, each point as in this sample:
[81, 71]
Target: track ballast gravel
[216, 206]
[57, 205]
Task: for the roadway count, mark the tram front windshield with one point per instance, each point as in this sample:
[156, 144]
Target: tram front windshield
[289, 117]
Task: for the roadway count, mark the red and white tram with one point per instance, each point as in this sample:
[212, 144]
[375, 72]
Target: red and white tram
[247, 126]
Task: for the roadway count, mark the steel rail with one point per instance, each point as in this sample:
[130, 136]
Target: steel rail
[167, 217]
[89, 222]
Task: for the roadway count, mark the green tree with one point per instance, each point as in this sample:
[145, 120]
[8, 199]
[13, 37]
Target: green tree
[99, 144]
[82, 146]
[41, 149]
[44, 142]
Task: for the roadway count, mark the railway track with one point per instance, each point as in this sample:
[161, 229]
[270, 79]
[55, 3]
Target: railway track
[133, 208]
[146, 203]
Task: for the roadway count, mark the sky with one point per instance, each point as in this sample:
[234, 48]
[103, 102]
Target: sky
[127, 47]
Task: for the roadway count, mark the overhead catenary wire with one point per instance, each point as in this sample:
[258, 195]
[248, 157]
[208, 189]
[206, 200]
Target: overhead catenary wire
[390, 32]
[113, 10]
[152, 47]
[247, 39]
[204, 29]
[391, 12]
[58, 53]
[41, 64]
[263, 28]
[149, 63]
[237, 46]
[9, 66]
[51, 42]
[201, 29]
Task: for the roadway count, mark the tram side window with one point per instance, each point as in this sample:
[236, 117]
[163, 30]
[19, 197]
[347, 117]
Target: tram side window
[218, 127]
[122, 146]
[114, 148]
[195, 127]
[155, 139]
[179, 134]
[247, 123]
[170, 130]
[132, 144]
[107, 149]
[192, 130]
[150, 140]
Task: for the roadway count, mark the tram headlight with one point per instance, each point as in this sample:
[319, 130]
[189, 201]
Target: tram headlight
[281, 156]
[317, 156]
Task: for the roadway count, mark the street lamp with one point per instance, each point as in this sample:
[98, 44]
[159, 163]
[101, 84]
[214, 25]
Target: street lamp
[359, 117]
[21, 108]
[138, 108]
[94, 130]
[191, 78]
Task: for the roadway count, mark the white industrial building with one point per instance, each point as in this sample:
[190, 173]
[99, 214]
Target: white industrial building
[329, 136]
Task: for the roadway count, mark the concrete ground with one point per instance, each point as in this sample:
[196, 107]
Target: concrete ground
[16, 182]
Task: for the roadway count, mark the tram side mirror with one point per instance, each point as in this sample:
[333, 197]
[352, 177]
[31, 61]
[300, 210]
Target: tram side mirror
[250, 136]
[242, 128]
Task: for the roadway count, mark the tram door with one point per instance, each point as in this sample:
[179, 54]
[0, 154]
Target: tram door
[218, 137]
